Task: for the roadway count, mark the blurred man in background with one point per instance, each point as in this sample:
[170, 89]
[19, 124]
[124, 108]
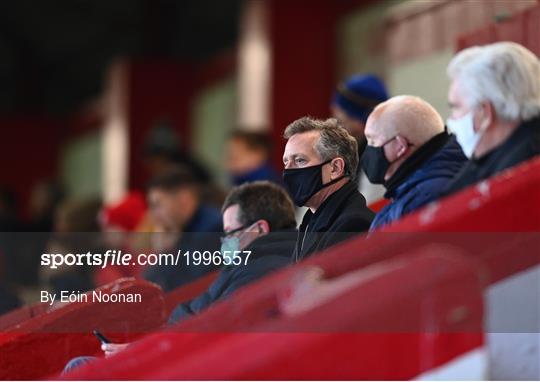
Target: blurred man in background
[259, 218]
[8, 255]
[76, 227]
[321, 160]
[353, 101]
[494, 98]
[410, 153]
[248, 158]
[163, 151]
[175, 203]
[118, 223]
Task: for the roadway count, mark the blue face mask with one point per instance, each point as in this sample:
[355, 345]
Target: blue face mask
[229, 245]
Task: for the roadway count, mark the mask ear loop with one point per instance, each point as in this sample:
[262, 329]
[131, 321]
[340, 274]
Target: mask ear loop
[346, 173]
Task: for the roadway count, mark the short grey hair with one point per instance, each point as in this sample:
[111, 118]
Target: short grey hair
[334, 141]
[505, 73]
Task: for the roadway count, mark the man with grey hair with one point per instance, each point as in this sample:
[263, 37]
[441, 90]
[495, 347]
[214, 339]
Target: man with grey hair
[494, 98]
[321, 160]
[410, 153]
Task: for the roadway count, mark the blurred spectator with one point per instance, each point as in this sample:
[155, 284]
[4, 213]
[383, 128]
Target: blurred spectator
[77, 231]
[44, 201]
[9, 264]
[45, 198]
[125, 215]
[321, 160]
[118, 224]
[494, 98]
[175, 203]
[353, 101]
[8, 298]
[257, 217]
[410, 153]
[248, 158]
[9, 221]
[162, 152]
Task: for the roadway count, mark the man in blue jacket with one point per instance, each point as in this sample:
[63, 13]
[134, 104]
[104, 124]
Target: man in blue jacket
[410, 153]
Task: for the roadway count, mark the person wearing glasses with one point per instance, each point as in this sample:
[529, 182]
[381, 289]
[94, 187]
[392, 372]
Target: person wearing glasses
[259, 237]
[259, 230]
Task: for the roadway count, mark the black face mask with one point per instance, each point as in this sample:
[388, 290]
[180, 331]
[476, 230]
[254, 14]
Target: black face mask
[303, 183]
[375, 164]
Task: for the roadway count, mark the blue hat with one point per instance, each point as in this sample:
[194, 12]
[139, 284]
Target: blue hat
[359, 95]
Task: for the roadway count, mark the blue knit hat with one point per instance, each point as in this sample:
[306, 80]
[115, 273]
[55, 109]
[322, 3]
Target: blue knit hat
[359, 95]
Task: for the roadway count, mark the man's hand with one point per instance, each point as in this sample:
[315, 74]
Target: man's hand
[111, 349]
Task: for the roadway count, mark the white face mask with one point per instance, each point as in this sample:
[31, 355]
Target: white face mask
[463, 128]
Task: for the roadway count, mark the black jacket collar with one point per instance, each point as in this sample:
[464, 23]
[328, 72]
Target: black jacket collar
[276, 243]
[523, 132]
[328, 210]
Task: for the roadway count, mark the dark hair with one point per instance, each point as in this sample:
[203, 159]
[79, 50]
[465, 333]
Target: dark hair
[253, 140]
[173, 180]
[262, 200]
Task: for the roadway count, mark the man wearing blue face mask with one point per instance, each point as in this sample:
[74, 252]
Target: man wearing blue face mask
[410, 153]
[259, 232]
[321, 160]
[494, 98]
[258, 219]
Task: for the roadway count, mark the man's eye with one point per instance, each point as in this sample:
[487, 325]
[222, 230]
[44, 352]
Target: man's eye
[300, 161]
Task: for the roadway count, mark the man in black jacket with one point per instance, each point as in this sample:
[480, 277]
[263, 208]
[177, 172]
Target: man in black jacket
[259, 237]
[494, 98]
[321, 160]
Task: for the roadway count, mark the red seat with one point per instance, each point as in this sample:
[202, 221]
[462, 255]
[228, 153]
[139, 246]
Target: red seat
[22, 314]
[355, 335]
[42, 345]
[468, 212]
[188, 292]
[221, 332]
[247, 337]
[379, 205]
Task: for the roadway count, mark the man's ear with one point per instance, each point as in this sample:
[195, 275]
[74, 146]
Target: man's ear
[403, 146]
[484, 116]
[338, 168]
[263, 226]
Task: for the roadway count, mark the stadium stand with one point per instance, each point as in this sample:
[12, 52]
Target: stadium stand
[22, 314]
[49, 340]
[188, 292]
[251, 323]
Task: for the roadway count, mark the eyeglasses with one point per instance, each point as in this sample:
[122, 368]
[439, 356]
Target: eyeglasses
[234, 231]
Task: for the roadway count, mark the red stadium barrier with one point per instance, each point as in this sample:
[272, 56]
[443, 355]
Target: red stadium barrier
[42, 345]
[188, 292]
[377, 325]
[22, 314]
[208, 338]
[379, 205]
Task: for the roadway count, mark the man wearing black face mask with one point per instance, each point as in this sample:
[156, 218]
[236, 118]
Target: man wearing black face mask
[410, 153]
[321, 161]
